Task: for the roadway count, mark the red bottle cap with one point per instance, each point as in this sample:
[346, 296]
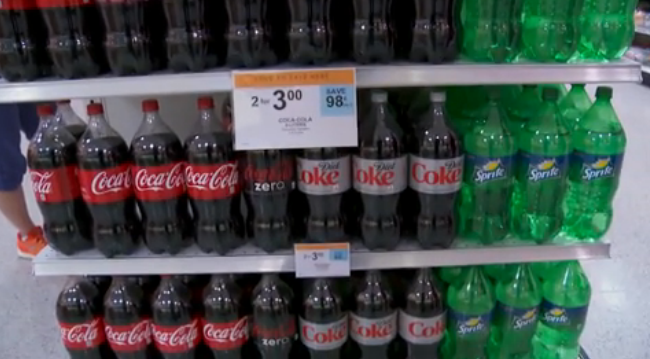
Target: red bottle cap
[206, 103]
[45, 110]
[150, 105]
[95, 109]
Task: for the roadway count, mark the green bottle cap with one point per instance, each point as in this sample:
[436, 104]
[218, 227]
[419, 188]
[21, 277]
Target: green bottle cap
[604, 92]
[578, 85]
[550, 94]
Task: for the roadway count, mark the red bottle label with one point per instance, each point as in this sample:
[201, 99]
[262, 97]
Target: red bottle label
[84, 335]
[212, 181]
[55, 185]
[17, 4]
[158, 183]
[177, 339]
[277, 178]
[107, 185]
[63, 3]
[226, 336]
[129, 338]
[280, 335]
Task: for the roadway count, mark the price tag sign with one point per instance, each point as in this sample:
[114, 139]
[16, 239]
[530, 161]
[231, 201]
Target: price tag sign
[322, 260]
[294, 108]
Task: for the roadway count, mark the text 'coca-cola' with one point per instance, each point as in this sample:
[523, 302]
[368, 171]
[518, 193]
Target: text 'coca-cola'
[158, 183]
[83, 335]
[277, 177]
[226, 336]
[55, 185]
[106, 185]
[177, 339]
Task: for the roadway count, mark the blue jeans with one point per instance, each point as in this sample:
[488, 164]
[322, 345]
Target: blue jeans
[14, 118]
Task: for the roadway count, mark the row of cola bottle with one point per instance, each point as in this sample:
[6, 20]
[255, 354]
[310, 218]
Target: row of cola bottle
[182, 317]
[87, 190]
[77, 39]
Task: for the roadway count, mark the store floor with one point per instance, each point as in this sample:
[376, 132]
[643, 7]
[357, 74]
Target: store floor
[618, 316]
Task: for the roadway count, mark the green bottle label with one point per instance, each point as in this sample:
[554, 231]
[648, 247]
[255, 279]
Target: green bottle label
[563, 317]
[464, 324]
[535, 168]
[586, 167]
[517, 319]
[482, 170]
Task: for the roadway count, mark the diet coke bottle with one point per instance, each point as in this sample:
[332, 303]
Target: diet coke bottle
[66, 116]
[175, 328]
[79, 313]
[274, 319]
[159, 183]
[323, 321]
[380, 175]
[52, 160]
[105, 180]
[268, 180]
[212, 178]
[436, 172]
[324, 176]
[225, 318]
[373, 319]
[422, 321]
[127, 316]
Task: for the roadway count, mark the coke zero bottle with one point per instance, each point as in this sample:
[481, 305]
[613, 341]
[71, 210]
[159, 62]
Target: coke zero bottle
[323, 321]
[372, 35]
[422, 321]
[380, 175]
[76, 36]
[268, 180]
[159, 183]
[52, 161]
[105, 180]
[274, 319]
[66, 117]
[79, 314]
[373, 317]
[213, 186]
[225, 318]
[247, 36]
[175, 327]
[24, 38]
[324, 177]
[436, 174]
[127, 316]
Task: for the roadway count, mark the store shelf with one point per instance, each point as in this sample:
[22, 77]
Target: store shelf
[249, 259]
[367, 77]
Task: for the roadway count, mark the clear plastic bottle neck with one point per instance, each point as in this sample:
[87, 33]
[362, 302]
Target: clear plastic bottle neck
[209, 122]
[66, 115]
[152, 124]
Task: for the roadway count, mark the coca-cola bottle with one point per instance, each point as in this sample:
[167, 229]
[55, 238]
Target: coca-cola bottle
[274, 319]
[213, 186]
[247, 36]
[175, 327]
[127, 316]
[66, 116]
[435, 175]
[380, 174]
[159, 183]
[79, 313]
[323, 321]
[324, 177]
[310, 37]
[105, 180]
[268, 180]
[422, 320]
[373, 317]
[372, 35]
[52, 160]
[225, 318]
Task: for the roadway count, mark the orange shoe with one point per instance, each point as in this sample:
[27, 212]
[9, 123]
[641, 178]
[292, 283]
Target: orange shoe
[30, 245]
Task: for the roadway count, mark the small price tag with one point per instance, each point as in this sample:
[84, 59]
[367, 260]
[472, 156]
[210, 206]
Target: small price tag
[294, 108]
[322, 260]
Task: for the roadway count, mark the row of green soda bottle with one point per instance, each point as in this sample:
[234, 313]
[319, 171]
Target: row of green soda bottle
[521, 311]
[541, 167]
[546, 30]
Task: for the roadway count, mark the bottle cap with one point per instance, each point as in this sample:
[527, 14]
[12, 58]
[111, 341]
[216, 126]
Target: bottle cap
[45, 110]
[437, 96]
[205, 103]
[550, 94]
[95, 109]
[63, 102]
[379, 96]
[604, 92]
[150, 106]
[578, 85]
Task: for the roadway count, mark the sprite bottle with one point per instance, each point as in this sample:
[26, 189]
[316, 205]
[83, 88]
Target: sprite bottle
[487, 177]
[515, 317]
[595, 170]
[551, 29]
[521, 109]
[465, 105]
[541, 173]
[563, 312]
[543, 270]
[574, 105]
[470, 302]
[498, 272]
[607, 28]
[452, 275]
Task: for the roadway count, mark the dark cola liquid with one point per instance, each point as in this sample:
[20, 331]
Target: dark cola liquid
[248, 36]
[373, 38]
[310, 36]
[218, 221]
[24, 38]
[173, 312]
[274, 319]
[76, 36]
[116, 226]
[76, 130]
[323, 320]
